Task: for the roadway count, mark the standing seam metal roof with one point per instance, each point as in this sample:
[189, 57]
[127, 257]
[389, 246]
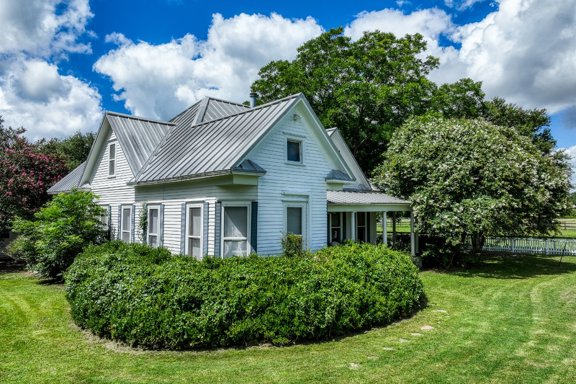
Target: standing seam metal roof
[213, 146]
[71, 180]
[206, 110]
[138, 137]
[362, 198]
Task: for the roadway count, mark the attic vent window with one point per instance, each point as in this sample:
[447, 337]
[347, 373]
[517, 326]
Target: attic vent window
[294, 151]
[112, 160]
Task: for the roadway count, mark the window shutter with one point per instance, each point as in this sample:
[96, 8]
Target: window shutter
[218, 228]
[206, 212]
[183, 230]
[143, 231]
[254, 227]
[161, 234]
[133, 218]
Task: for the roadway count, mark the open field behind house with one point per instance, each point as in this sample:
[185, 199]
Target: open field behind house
[567, 227]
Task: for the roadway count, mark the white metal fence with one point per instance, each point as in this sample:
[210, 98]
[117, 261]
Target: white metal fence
[552, 246]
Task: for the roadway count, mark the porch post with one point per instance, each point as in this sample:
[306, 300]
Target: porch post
[384, 229]
[412, 237]
[393, 229]
[353, 226]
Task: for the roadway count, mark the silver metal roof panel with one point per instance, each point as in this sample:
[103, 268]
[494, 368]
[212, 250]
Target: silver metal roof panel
[362, 198]
[207, 109]
[138, 137]
[214, 146]
[71, 180]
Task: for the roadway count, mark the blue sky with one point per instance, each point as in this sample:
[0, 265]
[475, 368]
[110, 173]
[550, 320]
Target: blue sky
[63, 62]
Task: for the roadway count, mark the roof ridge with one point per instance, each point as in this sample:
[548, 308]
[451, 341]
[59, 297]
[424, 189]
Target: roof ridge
[251, 109]
[163, 143]
[138, 118]
[153, 154]
[227, 101]
[184, 111]
[202, 108]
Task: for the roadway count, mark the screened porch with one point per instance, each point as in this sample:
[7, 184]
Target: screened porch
[354, 215]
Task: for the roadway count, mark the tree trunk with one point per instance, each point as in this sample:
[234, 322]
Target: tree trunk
[477, 242]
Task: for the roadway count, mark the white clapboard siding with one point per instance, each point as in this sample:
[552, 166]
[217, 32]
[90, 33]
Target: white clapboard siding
[113, 191]
[172, 195]
[283, 178]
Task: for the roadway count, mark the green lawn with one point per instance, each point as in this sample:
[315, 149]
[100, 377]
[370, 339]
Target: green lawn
[505, 321]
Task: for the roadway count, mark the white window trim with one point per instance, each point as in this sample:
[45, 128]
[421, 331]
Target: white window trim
[246, 204]
[366, 225]
[294, 140]
[305, 222]
[122, 229]
[149, 207]
[187, 237]
[341, 226]
[110, 159]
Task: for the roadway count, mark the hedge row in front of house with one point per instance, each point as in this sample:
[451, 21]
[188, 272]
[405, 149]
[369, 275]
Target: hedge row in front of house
[146, 297]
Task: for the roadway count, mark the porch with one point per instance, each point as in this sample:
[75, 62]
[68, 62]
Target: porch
[352, 215]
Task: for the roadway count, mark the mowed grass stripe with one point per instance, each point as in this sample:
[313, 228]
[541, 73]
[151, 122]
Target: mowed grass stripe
[510, 319]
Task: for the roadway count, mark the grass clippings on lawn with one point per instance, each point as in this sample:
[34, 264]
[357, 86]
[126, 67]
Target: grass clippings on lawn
[507, 320]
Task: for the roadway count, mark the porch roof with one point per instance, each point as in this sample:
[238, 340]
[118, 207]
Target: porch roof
[367, 201]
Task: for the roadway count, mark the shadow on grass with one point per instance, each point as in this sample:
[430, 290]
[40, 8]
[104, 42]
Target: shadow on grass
[510, 266]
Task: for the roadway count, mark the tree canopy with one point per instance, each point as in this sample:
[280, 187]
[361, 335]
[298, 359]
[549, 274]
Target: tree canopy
[365, 87]
[473, 178]
[59, 231]
[25, 175]
[369, 87]
[73, 150]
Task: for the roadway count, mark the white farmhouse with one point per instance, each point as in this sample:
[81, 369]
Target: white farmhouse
[225, 179]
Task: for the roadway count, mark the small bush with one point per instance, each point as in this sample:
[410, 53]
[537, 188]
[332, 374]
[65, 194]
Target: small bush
[292, 245]
[60, 231]
[145, 297]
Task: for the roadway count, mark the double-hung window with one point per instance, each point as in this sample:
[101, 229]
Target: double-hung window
[126, 223]
[153, 230]
[235, 230]
[194, 231]
[112, 159]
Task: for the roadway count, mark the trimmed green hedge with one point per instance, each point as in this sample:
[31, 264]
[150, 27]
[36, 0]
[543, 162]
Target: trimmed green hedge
[146, 297]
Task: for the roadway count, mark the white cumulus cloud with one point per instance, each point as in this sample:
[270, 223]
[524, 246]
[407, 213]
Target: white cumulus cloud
[35, 26]
[159, 81]
[34, 95]
[525, 51]
[36, 34]
[430, 23]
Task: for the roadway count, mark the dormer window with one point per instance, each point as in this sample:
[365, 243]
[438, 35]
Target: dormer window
[294, 151]
[112, 160]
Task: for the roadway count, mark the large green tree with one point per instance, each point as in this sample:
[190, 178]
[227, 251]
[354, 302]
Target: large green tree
[25, 175]
[73, 150]
[369, 87]
[366, 87]
[473, 178]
